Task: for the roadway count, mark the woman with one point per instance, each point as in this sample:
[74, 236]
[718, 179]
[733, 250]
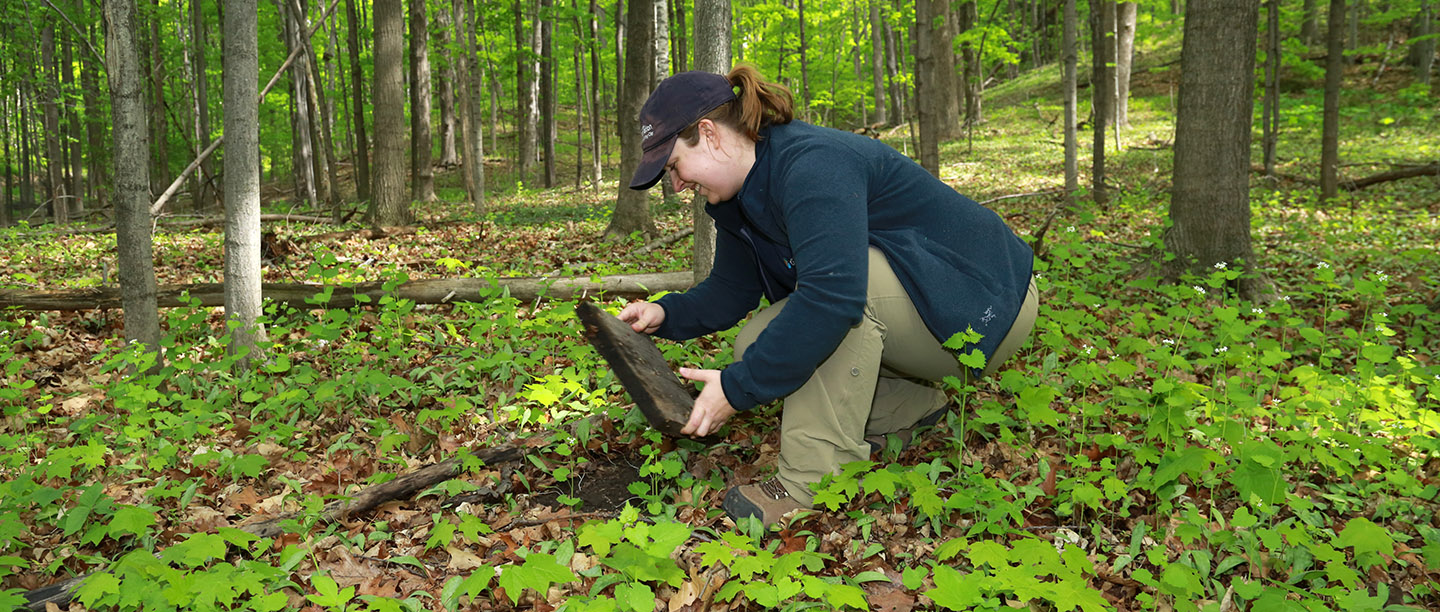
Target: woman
[868, 261]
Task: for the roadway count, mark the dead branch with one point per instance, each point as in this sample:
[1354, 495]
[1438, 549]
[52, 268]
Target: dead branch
[367, 499]
[665, 241]
[1403, 172]
[301, 295]
[197, 223]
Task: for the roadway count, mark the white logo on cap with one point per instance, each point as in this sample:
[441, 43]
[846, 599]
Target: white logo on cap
[646, 131]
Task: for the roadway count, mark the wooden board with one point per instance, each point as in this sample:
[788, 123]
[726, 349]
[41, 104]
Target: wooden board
[640, 367]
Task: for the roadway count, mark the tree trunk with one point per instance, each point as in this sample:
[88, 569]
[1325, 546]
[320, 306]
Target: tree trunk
[712, 54]
[76, 185]
[632, 208]
[527, 84]
[320, 131]
[304, 162]
[27, 178]
[54, 159]
[548, 102]
[974, 113]
[1330, 133]
[1309, 24]
[953, 84]
[422, 176]
[201, 186]
[931, 43]
[577, 64]
[391, 204]
[475, 145]
[1270, 113]
[1210, 200]
[242, 179]
[94, 135]
[662, 71]
[595, 97]
[132, 179]
[892, 76]
[8, 205]
[1125, 16]
[1069, 49]
[449, 155]
[804, 61]
[357, 80]
[679, 41]
[877, 61]
[1422, 54]
[1102, 53]
[159, 139]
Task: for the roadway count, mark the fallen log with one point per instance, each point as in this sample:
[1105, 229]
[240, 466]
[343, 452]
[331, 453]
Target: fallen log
[1405, 172]
[404, 487]
[641, 368]
[302, 295]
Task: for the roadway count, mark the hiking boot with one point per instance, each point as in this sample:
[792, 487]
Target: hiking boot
[766, 500]
[907, 435]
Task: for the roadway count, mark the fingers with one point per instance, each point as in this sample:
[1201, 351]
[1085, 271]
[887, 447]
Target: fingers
[643, 317]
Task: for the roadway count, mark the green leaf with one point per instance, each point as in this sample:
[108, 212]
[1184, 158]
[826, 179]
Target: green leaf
[1259, 484]
[1247, 589]
[987, 552]
[96, 589]
[953, 591]
[846, 595]
[537, 573]
[196, 550]
[1184, 580]
[635, 596]
[914, 577]
[951, 548]
[328, 593]
[1366, 537]
[1072, 594]
[131, 520]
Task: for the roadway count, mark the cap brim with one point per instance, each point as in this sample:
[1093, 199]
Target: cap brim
[652, 165]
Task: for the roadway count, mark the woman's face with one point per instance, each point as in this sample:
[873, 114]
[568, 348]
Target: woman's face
[713, 167]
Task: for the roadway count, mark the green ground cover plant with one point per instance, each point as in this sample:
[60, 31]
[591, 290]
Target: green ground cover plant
[1154, 447]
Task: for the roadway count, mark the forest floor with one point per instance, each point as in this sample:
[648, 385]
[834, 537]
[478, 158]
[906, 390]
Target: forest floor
[1154, 446]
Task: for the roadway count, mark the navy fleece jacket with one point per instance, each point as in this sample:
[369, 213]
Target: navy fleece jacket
[800, 226]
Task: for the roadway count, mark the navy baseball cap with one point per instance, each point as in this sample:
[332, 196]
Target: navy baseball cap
[676, 103]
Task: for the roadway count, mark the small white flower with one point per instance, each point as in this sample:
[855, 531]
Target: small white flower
[1257, 311]
[1380, 274]
[1219, 265]
[1321, 266]
[1285, 298]
[1221, 349]
[1070, 229]
[1199, 290]
[1169, 341]
[1088, 350]
[1274, 401]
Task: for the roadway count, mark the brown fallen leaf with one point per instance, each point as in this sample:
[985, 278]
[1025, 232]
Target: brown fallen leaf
[462, 560]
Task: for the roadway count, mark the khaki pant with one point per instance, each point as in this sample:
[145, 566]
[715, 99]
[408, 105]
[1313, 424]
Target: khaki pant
[881, 379]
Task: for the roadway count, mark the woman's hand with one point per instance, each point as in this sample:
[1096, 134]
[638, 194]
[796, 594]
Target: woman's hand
[711, 409]
[643, 317]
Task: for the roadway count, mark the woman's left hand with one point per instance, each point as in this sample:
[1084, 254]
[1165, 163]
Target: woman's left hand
[711, 409]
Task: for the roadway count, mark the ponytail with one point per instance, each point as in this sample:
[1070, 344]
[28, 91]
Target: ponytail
[758, 104]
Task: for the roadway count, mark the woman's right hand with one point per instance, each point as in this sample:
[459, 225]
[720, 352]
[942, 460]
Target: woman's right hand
[644, 317]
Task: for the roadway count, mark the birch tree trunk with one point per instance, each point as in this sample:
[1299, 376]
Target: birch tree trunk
[422, 176]
[632, 208]
[132, 179]
[595, 98]
[242, 180]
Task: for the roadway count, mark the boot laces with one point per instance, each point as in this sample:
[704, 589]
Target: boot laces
[774, 489]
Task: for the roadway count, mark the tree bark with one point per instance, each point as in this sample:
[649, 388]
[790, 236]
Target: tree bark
[449, 154]
[974, 111]
[931, 43]
[596, 84]
[662, 71]
[132, 179]
[357, 80]
[1330, 132]
[1102, 89]
[632, 208]
[8, 204]
[97, 158]
[391, 205]
[1270, 107]
[804, 61]
[475, 145]
[430, 291]
[1309, 23]
[422, 176]
[75, 186]
[1069, 49]
[320, 132]
[159, 139]
[1210, 200]
[200, 187]
[877, 61]
[305, 163]
[712, 54]
[1125, 16]
[548, 96]
[242, 180]
[54, 159]
[1422, 54]
[527, 84]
